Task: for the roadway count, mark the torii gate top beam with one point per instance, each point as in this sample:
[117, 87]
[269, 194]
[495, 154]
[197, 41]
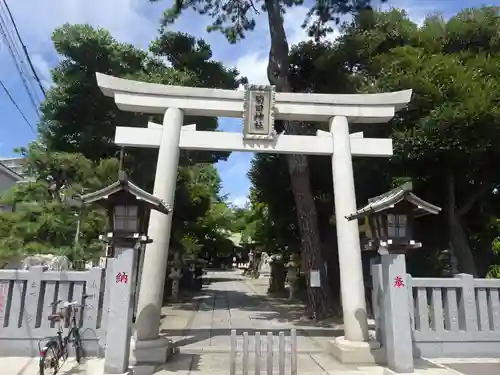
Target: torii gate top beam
[145, 97]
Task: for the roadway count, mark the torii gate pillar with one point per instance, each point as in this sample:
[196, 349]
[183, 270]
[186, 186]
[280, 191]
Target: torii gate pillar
[160, 226]
[351, 270]
[259, 105]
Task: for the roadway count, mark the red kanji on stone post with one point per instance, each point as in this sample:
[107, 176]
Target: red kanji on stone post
[398, 282]
[121, 277]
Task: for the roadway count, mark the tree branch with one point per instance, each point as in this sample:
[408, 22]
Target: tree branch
[252, 5]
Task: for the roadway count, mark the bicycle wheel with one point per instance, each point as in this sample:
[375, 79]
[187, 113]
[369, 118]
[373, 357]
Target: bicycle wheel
[49, 359]
[77, 343]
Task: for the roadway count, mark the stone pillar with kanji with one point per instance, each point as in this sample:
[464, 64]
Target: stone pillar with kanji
[398, 342]
[121, 303]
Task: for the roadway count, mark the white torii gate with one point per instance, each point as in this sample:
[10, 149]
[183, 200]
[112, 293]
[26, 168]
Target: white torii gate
[263, 105]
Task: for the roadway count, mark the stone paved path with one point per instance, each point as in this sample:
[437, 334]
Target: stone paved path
[201, 328]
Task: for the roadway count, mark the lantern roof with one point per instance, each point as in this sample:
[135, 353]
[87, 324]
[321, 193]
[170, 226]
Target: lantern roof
[388, 200]
[124, 184]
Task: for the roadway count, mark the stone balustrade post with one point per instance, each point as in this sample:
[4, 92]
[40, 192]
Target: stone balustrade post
[396, 310]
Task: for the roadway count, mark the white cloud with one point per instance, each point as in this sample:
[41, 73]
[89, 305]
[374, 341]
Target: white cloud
[136, 21]
[417, 11]
[36, 21]
[42, 68]
[254, 67]
[239, 201]
[254, 64]
[123, 18]
[132, 21]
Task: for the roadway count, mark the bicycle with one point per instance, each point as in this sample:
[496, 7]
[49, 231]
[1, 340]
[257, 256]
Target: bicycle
[57, 347]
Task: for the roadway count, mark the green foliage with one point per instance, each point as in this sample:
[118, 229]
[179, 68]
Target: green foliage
[272, 209]
[494, 269]
[77, 117]
[450, 128]
[190, 245]
[43, 222]
[89, 126]
[448, 139]
[76, 151]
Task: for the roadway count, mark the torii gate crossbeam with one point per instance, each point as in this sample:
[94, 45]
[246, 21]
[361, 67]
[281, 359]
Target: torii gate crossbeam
[192, 139]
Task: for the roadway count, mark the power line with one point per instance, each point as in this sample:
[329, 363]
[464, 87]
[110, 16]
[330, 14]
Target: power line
[18, 65]
[12, 46]
[9, 39]
[4, 17]
[17, 106]
[35, 74]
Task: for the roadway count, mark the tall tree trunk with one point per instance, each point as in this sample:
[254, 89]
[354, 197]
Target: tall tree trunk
[458, 236]
[298, 166]
[307, 219]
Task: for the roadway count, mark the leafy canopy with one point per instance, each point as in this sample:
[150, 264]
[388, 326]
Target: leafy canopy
[43, 222]
[76, 151]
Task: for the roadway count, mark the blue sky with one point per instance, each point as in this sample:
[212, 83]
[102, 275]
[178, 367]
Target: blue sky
[136, 21]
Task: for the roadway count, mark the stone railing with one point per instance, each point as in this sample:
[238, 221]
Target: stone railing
[433, 317]
[25, 298]
[455, 317]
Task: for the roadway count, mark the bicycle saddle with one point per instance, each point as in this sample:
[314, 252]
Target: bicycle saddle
[68, 303]
[56, 317]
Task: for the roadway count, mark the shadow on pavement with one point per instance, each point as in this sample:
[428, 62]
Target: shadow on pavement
[279, 309]
[182, 362]
[261, 307]
[192, 336]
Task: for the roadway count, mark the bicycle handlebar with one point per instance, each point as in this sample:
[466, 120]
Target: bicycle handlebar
[69, 303]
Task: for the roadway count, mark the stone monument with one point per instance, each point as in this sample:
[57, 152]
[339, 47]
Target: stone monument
[264, 265]
[277, 281]
[49, 261]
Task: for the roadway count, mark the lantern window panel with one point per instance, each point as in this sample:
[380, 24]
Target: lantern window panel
[126, 211]
[126, 224]
[396, 226]
[120, 211]
[126, 218]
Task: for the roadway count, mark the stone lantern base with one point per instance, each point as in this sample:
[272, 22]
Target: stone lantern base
[277, 279]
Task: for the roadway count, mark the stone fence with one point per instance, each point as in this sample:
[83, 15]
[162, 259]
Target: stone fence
[439, 317]
[25, 298]
[455, 317]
